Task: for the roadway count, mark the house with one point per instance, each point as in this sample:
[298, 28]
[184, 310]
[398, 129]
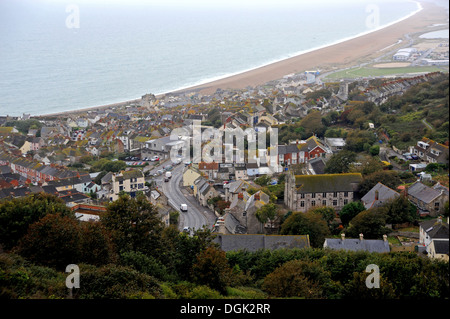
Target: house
[303, 192]
[252, 169]
[240, 171]
[427, 199]
[335, 144]
[255, 242]
[378, 196]
[209, 169]
[204, 190]
[316, 166]
[312, 148]
[244, 207]
[361, 244]
[91, 188]
[129, 182]
[288, 154]
[438, 249]
[434, 236]
[190, 175]
[430, 151]
[234, 188]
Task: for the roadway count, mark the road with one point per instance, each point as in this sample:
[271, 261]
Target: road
[197, 215]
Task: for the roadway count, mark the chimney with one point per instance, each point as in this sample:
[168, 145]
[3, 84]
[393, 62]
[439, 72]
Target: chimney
[361, 237]
[385, 237]
[342, 236]
[376, 194]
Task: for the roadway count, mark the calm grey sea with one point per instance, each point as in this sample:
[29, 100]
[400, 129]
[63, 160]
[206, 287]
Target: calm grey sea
[95, 54]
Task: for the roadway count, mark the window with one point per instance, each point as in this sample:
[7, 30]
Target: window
[324, 203]
[313, 195]
[335, 194]
[345, 194]
[345, 201]
[313, 203]
[335, 202]
[120, 188]
[324, 194]
[436, 205]
[302, 195]
[120, 182]
[302, 203]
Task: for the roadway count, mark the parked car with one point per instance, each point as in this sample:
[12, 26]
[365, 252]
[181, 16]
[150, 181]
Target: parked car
[183, 207]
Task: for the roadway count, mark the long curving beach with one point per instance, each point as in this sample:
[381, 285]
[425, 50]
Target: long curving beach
[344, 54]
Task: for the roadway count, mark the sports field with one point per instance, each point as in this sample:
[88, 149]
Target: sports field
[369, 71]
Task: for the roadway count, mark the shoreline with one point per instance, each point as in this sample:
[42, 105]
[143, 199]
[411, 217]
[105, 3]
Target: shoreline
[339, 54]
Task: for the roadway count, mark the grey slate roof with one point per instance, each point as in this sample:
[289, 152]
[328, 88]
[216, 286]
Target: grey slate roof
[435, 229]
[254, 242]
[441, 246]
[384, 194]
[423, 192]
[369, 245]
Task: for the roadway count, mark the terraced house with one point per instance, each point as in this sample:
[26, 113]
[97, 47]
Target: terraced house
[303, 192]
[130, 182]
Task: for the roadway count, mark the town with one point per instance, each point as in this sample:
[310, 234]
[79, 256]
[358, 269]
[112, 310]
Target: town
[359, 165]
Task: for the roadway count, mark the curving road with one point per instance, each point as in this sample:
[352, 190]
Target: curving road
[197, 215]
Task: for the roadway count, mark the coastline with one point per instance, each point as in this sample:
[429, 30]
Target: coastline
[340, 54]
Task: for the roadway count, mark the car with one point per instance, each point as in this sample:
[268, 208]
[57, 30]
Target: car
[415, 157]
[160, 171]
[186, 229]
[183, 207]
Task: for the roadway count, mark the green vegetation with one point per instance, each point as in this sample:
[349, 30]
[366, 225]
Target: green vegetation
[129, 255]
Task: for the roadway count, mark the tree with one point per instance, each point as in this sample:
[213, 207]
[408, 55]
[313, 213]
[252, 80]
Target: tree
[116, 282]
[262, 180]
[400, 210]
[390, 179]
[368, 166]
[96, 244]
[357, 289]
[266, 213]
[349, 211]
[52, 241]
[181, 250]
[340, 162]
[374, 150]
[308, 223]
[370, 223]
[297, 278]
[212, 269]
[312, 123]
[17, 214]
[134, 223]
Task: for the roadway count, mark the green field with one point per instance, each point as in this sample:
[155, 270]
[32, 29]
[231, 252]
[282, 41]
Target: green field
[370, 71]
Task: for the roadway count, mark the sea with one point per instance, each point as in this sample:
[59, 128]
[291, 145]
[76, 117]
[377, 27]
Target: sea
[58, 55]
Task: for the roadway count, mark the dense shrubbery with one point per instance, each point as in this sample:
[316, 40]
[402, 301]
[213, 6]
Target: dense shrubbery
[164, 263]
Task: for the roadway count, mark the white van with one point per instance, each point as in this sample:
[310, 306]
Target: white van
[183, 207]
